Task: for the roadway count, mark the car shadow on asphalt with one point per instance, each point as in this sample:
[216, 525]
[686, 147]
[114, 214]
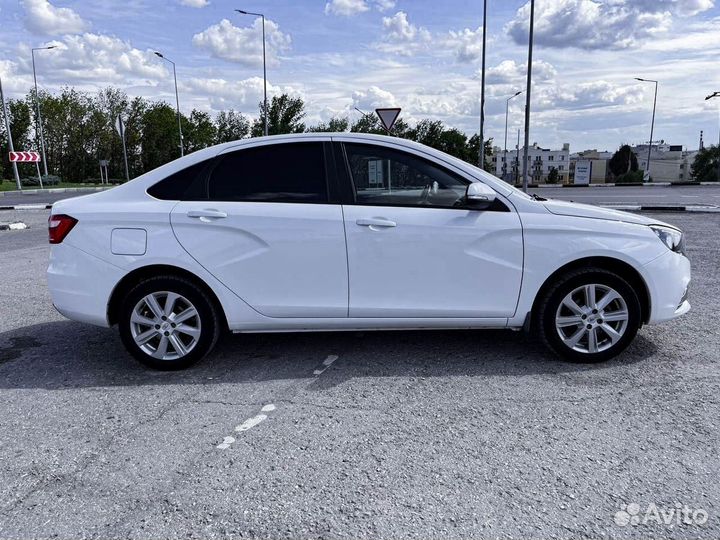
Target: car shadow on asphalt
[66, 354]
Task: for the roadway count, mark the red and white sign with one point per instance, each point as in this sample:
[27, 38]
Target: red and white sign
[24, 157]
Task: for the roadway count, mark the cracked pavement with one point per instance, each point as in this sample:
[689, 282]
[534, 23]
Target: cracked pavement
[406, 435]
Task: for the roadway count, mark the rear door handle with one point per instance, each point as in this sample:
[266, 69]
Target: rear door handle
[206, 213]
[375, 222]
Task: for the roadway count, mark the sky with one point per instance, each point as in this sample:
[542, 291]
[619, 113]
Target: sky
[421, 55]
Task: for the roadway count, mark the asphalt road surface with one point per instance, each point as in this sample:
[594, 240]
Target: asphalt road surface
[676, 195]
[644, 195]
[355, 435]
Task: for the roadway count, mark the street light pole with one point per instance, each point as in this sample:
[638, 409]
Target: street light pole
[652, 124]
[711, 96]
[507, 106]
[177, 101]
[38, 120]
[481, 156]
[9, 136]
[527, 96]
[265, 102]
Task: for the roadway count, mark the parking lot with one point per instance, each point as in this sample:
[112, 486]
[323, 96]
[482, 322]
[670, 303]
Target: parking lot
[354, 435]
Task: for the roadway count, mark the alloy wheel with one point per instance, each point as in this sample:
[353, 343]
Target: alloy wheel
[165, 325]
[592, 318]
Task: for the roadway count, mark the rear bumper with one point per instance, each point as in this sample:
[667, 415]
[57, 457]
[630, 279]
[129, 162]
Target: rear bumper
[80, 284]
[669, 279]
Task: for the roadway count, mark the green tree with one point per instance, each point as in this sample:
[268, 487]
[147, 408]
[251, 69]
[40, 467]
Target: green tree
[21, 128]
[623, 161]
[552, 177]
[706, 165]
[473, 149]
[201, 131]
[284, 114]
[159, 139]
[231, 126]
[334, 125]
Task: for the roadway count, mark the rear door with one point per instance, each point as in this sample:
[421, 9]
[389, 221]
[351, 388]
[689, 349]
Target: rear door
[268, 228]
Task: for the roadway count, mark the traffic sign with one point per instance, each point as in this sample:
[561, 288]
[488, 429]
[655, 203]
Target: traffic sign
[388, 117]
[24, 157]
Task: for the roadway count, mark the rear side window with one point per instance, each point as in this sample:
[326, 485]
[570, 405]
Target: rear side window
[290, 172]
[175, 186]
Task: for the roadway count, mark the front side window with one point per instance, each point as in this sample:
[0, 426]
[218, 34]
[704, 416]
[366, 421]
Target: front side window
[383, 176]
[290, 172]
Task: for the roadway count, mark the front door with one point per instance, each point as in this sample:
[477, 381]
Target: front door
[415, 251]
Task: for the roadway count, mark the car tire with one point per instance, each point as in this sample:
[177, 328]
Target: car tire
[168, 323]
[588, 315]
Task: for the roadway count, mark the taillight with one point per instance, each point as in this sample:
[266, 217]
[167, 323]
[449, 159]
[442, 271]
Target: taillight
[59, 226]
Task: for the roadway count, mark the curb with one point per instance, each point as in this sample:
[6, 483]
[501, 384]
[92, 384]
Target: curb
[43, 206]
[668, 208]
[47, 191]
[14, 226]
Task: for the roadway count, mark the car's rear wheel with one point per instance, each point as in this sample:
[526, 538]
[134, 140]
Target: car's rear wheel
[589, 315]
[168, 323]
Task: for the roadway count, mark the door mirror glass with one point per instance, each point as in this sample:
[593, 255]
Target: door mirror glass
[479, 196]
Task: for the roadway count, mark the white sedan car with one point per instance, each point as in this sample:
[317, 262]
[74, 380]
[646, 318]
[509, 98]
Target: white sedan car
[320, 232]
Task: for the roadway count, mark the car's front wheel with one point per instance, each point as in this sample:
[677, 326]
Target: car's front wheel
[168, 322]
[589, 315]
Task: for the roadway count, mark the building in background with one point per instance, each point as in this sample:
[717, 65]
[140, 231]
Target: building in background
[592, 166]
[668, 162]
[540, 162]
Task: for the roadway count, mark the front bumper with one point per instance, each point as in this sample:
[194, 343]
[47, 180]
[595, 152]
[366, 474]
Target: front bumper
[668, 279]
[80, 284]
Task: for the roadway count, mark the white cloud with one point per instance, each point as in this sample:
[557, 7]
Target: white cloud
[346, 8]
[467, 43]
[243, 45]
[509, 71]
[372, 98]
[98, 59]
[591, 24]
[195, 3]
[384, 5]
[244, 94]
[44, 18]
[405, 38]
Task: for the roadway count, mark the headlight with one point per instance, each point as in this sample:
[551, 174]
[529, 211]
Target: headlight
[672, 238]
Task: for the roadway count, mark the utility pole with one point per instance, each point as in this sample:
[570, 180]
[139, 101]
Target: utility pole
[38, 120]
[9, 136]
[177, 100]
[527, 96]
[507, 106]
[652, 124]
[481, 157]
[717, 95]
[265, 102]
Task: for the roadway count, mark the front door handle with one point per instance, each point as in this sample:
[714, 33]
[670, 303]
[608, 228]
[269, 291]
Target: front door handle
[206, 213]
[375, 222]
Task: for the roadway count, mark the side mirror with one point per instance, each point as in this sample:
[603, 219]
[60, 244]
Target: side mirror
[479, 196]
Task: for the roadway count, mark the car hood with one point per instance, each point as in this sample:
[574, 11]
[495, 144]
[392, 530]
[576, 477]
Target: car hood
[563, 208]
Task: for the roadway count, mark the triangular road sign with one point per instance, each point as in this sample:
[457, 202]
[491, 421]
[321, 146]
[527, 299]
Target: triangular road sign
[388, 117]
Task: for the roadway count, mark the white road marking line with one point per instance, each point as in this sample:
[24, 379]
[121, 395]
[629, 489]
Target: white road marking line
[251, 423]
[227, 441]
[326, 364]
[246, 425]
